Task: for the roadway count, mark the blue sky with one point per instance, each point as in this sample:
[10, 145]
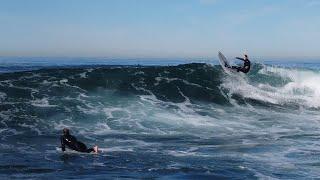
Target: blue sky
[160, 28]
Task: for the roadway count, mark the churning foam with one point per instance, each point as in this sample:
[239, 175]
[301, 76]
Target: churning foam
[300, 87]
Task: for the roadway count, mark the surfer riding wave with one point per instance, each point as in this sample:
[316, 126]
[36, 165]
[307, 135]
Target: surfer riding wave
[246, 64]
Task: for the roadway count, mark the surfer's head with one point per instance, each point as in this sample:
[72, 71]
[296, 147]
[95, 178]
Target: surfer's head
[245, 55]
[66, 131]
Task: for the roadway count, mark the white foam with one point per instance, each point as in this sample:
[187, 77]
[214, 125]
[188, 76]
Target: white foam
[64, 123]
[31, 127]
[102, 128]
[10, 132]
[2, 96]
[168, 80]
[42, 103]
[303, 88]
[83, 75]
[63, 81]
[110, 111]
[89, 110]
[116, 149]
[188, 152]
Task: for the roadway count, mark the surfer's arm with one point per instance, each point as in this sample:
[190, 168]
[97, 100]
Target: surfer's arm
[240, 58]
[63, 146]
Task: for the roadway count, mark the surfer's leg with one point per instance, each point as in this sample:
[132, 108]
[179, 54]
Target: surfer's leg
[94, 149]
[236, 67]
[244, 70]
[81, 147]
[90, 150]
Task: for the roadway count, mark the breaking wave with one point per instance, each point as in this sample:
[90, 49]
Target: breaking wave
[258, 121]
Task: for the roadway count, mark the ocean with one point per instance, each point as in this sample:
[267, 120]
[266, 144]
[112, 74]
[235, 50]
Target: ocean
[159, 119]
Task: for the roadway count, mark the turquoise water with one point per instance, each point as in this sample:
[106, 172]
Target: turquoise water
[166, 119]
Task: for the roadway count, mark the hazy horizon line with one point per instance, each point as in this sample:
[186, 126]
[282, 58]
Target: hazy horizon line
[164, 58]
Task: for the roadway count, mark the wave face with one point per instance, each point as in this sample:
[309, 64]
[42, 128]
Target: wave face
[261, 123]
[195, 82]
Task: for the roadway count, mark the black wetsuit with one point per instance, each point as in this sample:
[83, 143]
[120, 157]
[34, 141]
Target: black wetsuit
[72, 143]
[246, 66]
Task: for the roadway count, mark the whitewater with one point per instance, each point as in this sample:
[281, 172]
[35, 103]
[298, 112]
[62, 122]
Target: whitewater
[170, 121]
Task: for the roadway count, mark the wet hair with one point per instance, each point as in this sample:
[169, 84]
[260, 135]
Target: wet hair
[245, 55]
[66, 131]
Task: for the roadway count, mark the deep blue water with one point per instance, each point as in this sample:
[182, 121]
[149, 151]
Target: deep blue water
[164, 119]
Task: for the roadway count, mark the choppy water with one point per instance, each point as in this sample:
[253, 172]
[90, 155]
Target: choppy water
[186, 121]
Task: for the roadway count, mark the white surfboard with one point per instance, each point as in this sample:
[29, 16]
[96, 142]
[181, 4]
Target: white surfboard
[225, 63]
[70, 151]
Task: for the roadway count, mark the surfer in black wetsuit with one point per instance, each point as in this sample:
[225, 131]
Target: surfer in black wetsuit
[72, 143]
[246, 65]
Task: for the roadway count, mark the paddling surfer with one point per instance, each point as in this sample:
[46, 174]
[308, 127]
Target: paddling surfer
[72, 143]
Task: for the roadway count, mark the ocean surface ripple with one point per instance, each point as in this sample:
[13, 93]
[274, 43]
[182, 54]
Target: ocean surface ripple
[189, 121]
